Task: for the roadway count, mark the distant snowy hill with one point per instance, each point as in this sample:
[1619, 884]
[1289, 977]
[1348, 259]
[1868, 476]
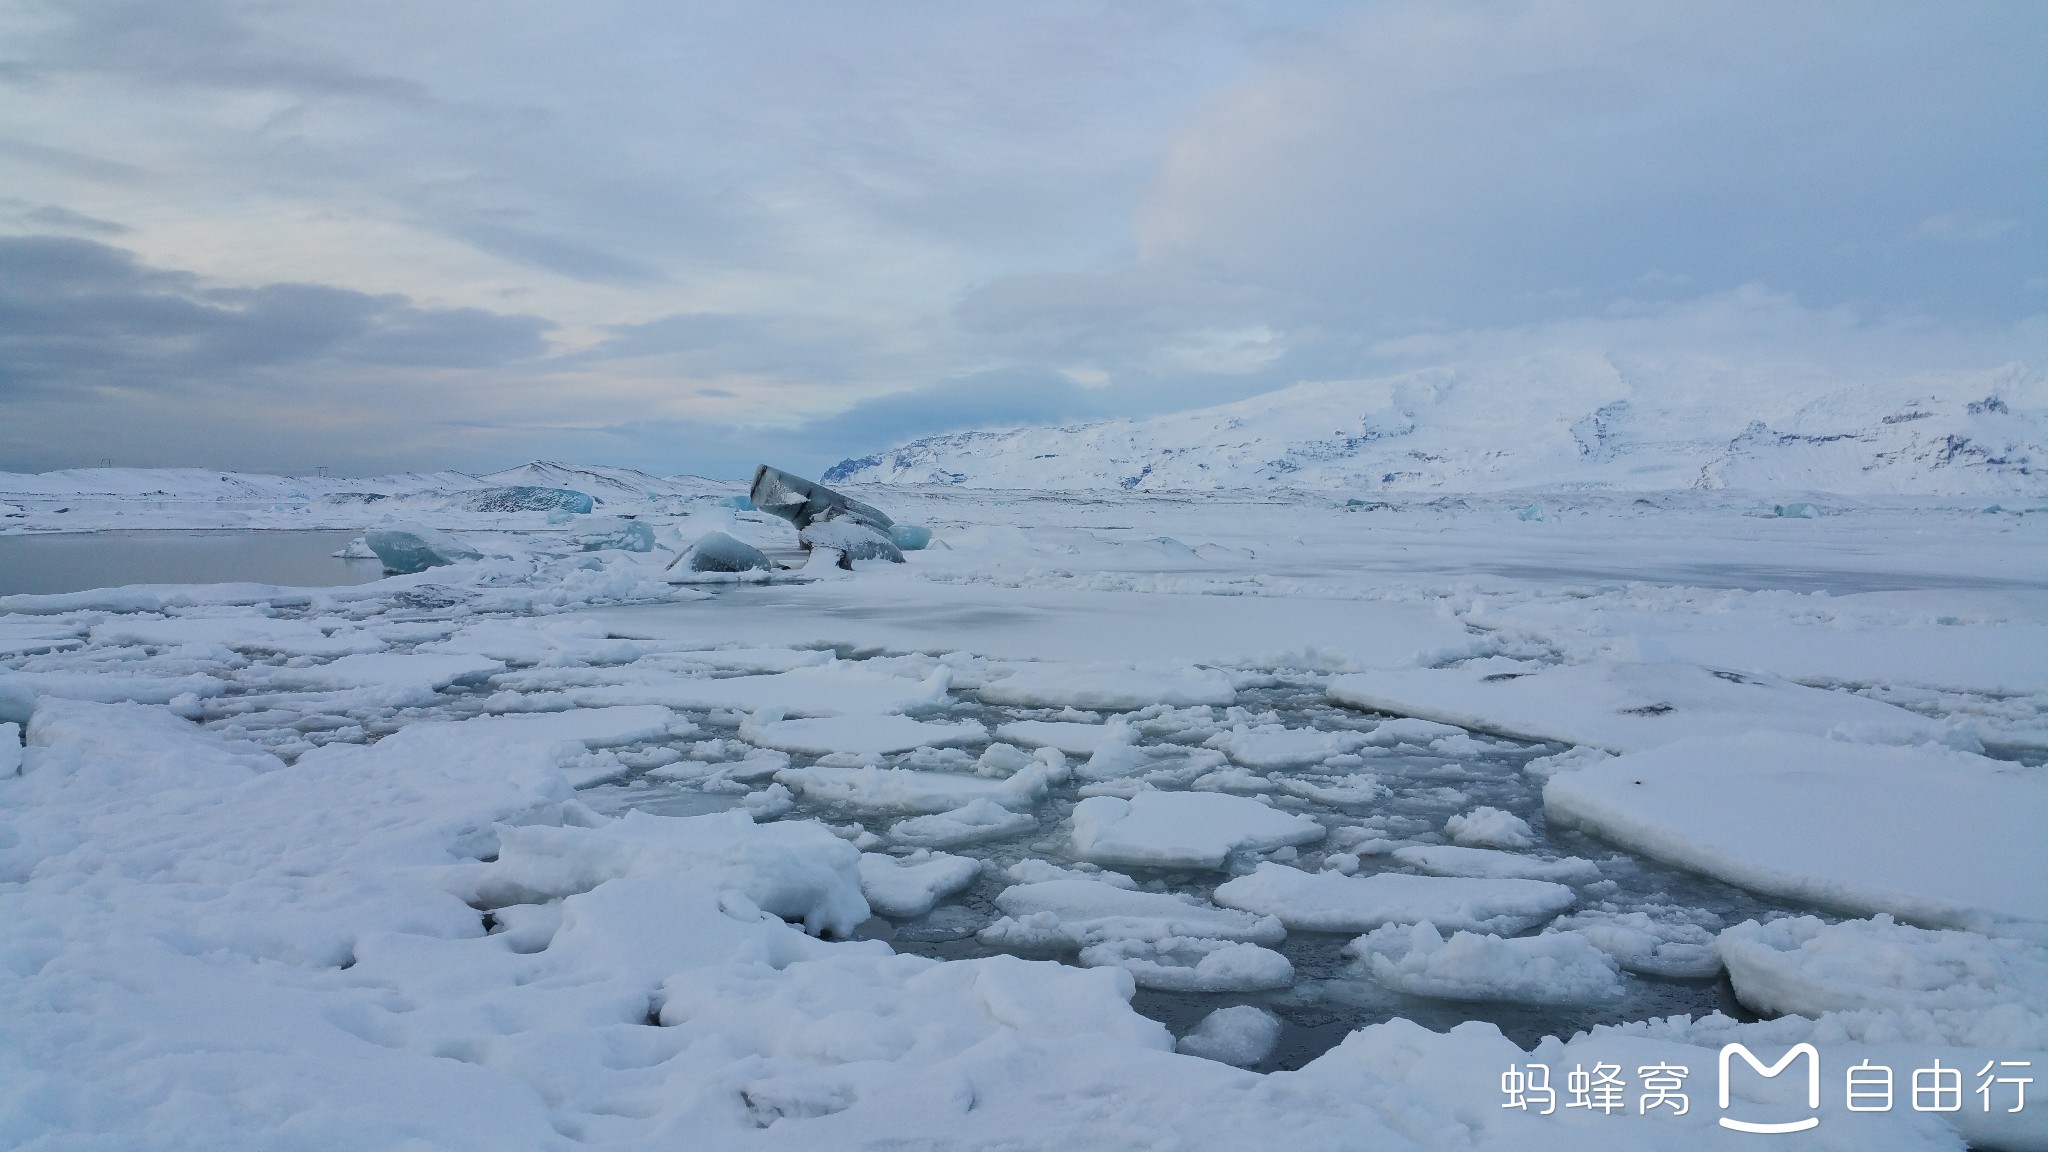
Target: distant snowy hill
[1547, 422]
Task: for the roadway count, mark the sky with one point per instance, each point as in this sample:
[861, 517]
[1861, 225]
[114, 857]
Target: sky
[372, 236]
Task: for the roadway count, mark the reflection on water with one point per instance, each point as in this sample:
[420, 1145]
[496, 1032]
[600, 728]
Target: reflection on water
[75, 561]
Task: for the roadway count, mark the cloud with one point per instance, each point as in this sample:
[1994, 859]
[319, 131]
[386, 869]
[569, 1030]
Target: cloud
[75, 313]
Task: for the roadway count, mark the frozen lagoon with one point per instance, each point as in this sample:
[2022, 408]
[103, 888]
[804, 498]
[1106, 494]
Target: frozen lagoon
[334, 887]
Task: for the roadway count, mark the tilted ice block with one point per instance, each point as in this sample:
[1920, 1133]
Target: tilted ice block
[527, 498]
[406, 548]
[801, 502]
[718, 552]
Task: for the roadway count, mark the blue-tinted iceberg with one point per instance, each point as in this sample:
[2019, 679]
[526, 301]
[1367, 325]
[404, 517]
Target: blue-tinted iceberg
[527, 498]
[718, 552]
[406, 548]
[614, 533]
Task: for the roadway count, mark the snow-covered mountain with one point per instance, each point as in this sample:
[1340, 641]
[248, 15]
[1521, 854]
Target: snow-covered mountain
[1557, 421]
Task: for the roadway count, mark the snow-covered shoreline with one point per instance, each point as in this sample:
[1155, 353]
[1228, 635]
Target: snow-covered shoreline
[409, 860]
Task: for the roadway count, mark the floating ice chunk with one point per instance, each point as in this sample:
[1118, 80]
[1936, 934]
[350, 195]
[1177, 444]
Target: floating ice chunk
[797, 870]
[10, 749]
[905, 790]
[1107, 687]
[1183, 829]
[907, 886]
[1333, 902]
[19, 691]
[591, 727]
[1074, 912]
[1980, 991]
[526, 498]
[851, 539]
[1929, 834]
[910, 537]
[1032, 870]
[1555, 968]
[1408, 730]
[1115, 761]
[718, 552]
[1071, 738]
[1625, 707]
[1272, 746]
[405, 548]
[1642, 943]
[822, 735]
[1242, 1034]
[602, 533]
[1490, 828]
[389, 670]
[834, 688]
[244, 633]
[769, 803]
[1337, 791]
[976, 822]
[1193, 964]
[1242, 781]
[1444, 860]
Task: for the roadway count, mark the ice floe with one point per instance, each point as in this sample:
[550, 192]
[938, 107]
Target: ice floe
[1074, 911]
[1107, 687]
[1333, 902]
[1446, 860]
[876, 789]
[1929, 834]
[975, 822]
[823, 735]
[1553, 968]
[1624, 707]
[1193, 964]
[1675, 942]
[906, 886]
[1242, 1034]
[1183, 829]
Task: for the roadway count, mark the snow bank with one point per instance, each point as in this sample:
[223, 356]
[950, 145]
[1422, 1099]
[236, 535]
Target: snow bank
[1108, 687]
[1625, 707]
[1554, 968]
[1928, 834]
[1332, 902]
[1183, 829]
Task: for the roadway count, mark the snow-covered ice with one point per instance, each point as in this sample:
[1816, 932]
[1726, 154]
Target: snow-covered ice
[906, 886]
[1623, 707]
[1553, 968]
[338, 854]
[1927, 833]
[1240, 1034]
[1446, 860]
[1183, 829]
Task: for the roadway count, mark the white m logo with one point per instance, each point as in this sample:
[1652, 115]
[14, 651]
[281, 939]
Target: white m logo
[1784, 1062]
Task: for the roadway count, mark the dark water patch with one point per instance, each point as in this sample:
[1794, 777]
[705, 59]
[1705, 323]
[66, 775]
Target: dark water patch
[55, 562]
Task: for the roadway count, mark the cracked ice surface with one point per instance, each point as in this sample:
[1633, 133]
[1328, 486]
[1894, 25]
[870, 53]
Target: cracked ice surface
[875, 862]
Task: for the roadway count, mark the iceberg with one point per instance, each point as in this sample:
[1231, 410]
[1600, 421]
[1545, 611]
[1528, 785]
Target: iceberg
[803, 503]
[614, 533]
[408, 548]
[910, 537]
[718, 552]
[851, 539]
[528, 498]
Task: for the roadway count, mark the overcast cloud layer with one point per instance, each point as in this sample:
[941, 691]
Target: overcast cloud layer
[375, 235]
